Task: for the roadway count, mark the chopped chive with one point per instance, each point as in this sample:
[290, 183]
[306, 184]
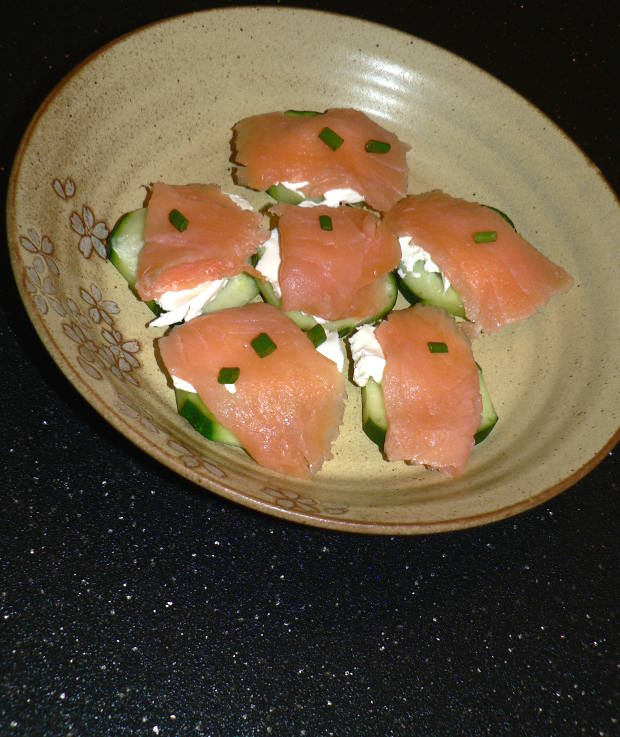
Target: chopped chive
[179, 220]
[228, 375]
[332, 139]
[377, 147]
[263, 345]
[317, 335]
[485, 236]
[301, 113]
[437, 347]
[326, 222]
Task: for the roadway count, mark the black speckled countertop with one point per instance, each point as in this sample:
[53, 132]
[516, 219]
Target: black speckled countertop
[132, 603]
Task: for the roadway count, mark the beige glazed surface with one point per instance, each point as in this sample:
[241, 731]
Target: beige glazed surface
[159, 104]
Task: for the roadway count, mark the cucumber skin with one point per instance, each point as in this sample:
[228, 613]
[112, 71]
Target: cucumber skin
[489, 415]
[192, 408]
[374, 418]
[343, 327]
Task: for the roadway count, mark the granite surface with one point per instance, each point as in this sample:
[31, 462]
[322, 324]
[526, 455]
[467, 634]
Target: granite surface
[132, 603]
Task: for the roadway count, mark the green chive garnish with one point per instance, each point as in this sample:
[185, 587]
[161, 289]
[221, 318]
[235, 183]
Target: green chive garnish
[179, 220]
[325, 222]
[332, 139]
[301, 113]
[377, 147]
[485, 236]
[263, 345]
[437, 347]
[228, 375]
[317, 335]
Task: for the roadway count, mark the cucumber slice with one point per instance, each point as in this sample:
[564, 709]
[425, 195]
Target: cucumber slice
[191, 406]
[125, 243]
[423, 286]
[239, 290]
[280, 193]
[345, 326]
[489, 415]
[374, 417]
[375, 422]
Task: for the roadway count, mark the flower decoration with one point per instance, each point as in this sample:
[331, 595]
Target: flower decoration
[99, 309]
[92, 234]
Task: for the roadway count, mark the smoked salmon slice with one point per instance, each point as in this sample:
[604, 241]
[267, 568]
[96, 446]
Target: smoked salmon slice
[277, 147]
[216, 242]
[288, 405]
[431, 389]
[332, 260]
[500, 281]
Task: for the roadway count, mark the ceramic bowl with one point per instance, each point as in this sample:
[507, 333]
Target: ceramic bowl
[159, 103]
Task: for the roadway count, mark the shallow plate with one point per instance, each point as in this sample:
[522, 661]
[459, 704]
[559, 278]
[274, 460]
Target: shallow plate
[159, 103]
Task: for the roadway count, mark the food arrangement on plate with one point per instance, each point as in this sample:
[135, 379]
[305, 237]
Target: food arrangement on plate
[261, 314]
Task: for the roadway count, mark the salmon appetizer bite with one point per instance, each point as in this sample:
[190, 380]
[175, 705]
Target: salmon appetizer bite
[337, 156]
[469, 259]
[250, 376]
[333, 264]
[188, 251]
[423, 398]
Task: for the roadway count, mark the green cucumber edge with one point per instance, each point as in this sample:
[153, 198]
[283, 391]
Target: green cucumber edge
[193, 409]
[123, 246]
[343, 327]
[489, 415]
[427, 288]
[374, 416]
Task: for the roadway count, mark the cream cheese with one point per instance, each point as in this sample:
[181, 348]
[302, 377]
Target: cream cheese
[186, 386]
[240, 201]
[368, 358]
[269, 262]
[294, 187]
[332, 348]
[186, 304]
[411, 254]
[335, 198]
